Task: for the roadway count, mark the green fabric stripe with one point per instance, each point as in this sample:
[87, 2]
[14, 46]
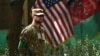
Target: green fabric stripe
[22, 44]
[88, 28]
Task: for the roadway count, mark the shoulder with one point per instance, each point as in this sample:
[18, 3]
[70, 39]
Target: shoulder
[27, 29]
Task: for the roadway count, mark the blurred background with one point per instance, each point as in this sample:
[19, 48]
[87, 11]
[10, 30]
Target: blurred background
[15, 15]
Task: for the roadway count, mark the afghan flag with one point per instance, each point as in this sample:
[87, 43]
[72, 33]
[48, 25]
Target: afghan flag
[85, 16]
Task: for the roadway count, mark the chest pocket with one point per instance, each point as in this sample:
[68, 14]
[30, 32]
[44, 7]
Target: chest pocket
[41, 35]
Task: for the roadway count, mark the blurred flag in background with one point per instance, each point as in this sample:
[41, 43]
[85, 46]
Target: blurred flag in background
[57, 21]
[82, 9]
[85, 16]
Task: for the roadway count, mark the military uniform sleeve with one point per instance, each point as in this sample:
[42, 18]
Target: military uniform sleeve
[22, 46]
[23, 39]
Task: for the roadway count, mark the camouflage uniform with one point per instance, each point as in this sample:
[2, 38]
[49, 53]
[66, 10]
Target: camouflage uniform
[32, 41]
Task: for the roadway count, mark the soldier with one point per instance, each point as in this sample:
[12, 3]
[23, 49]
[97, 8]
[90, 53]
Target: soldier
[32, 36]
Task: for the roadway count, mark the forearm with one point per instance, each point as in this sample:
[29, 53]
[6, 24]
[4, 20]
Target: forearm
[22, 48]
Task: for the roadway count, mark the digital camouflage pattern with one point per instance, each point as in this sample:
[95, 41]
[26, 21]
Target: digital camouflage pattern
[32, 38]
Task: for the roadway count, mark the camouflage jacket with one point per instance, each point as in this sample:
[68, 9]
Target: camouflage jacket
[34, 39]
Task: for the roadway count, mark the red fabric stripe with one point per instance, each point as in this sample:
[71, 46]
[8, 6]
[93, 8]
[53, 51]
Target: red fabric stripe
[67, 21]
[61, 21]
[53, 24]
[82, 9]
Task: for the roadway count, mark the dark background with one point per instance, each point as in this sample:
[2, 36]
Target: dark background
[4, 14]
